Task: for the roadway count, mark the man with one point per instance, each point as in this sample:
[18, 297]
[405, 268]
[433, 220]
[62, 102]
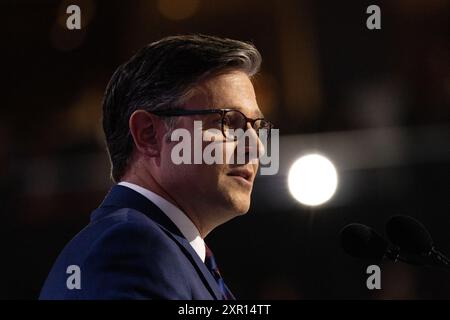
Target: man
[146, 240]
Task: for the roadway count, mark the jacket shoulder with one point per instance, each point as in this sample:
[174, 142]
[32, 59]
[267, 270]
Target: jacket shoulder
[124, 255]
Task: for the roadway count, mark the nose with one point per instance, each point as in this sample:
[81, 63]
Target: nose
[254, 142]
[248, 147]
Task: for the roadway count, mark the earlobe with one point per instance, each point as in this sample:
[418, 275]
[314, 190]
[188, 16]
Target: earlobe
[144, 130]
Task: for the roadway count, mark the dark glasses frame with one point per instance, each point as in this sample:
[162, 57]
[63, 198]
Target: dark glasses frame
[182, 112]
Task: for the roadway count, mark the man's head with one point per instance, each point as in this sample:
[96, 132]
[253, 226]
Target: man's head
[182, 73]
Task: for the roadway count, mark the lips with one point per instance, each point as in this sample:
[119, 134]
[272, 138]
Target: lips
[243, 173]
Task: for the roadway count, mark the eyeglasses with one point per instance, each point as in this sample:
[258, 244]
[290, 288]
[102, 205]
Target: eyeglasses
[231, 120]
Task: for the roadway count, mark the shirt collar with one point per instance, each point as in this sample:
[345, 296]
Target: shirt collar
[178, 217]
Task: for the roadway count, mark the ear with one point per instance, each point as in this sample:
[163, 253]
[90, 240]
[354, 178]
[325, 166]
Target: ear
[145, 129]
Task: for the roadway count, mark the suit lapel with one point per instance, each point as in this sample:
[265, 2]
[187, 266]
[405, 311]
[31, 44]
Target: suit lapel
[124, 197]
[201, 268]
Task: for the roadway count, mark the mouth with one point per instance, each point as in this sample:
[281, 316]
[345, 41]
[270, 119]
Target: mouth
[242, 175]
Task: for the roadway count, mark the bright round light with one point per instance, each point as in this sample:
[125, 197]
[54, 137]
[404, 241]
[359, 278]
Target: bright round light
[312, 180]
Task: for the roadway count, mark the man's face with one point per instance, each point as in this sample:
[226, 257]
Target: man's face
[221, 191]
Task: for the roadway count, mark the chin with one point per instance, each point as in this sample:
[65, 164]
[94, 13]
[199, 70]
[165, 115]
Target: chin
[241, 205]
[235, 202]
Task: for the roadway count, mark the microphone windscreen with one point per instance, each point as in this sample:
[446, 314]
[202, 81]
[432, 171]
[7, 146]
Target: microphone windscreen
[361, 241]
[409, 235]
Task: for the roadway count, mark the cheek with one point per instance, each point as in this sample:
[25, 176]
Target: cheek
[229, 152]
[223, 150]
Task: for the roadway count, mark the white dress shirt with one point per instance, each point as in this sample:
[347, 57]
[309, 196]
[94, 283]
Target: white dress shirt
[178, 217]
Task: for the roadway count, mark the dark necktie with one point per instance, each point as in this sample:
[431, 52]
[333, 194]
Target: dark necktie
[210, 262]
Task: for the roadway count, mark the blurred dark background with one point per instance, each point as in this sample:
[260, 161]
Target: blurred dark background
[376, 102]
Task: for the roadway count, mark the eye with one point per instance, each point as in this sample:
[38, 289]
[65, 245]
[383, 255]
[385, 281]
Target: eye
[235, 120]
[215, 121]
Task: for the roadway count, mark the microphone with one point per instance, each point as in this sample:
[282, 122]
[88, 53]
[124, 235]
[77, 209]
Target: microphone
[363, 242]
[412, 237]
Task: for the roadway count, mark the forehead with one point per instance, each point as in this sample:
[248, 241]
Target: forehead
[227, 90]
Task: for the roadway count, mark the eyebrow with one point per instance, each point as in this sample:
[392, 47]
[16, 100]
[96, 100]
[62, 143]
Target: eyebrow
[259, 115]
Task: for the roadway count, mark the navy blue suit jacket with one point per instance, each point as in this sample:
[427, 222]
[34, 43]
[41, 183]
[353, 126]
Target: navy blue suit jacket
[130, 250]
